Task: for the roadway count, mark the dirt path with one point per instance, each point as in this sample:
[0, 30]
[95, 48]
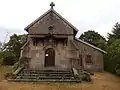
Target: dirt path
[101, 81]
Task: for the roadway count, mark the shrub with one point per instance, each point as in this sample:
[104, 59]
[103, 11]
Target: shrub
[86, 76]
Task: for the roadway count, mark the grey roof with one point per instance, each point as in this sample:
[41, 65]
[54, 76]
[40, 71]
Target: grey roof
[90, 45]
[26, 28]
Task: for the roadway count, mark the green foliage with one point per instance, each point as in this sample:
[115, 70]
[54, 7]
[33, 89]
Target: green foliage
[94, 38]
[112, 59]
[11, 50]
[8, 58]
[115, 33]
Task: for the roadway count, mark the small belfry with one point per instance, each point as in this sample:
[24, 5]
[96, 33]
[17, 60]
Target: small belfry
[52, 5]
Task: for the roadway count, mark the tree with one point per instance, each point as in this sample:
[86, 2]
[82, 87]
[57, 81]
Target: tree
[11, 50]
[94, 38]
[112, 59]
[115, 33]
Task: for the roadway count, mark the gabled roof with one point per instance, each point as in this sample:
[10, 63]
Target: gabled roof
[50, 10]
[90, 45]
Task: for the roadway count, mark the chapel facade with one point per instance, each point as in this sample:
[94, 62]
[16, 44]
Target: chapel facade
[52, 44]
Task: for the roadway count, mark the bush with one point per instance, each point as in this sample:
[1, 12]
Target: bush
[9, 60]
[86, 76]
[112, 58]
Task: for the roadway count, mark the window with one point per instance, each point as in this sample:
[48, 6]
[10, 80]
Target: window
[88, 59]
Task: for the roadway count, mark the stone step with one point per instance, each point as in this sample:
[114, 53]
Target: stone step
[45, 74]
[44, 71]
[42, 77]
[47, 71]
[43, 80]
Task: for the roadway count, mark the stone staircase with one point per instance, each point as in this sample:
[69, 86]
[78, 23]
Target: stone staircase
[44, 76]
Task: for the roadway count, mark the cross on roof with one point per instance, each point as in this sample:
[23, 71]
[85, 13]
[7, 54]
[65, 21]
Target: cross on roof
[52, 5]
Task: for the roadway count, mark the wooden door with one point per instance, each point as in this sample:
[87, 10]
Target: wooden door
[49, 57]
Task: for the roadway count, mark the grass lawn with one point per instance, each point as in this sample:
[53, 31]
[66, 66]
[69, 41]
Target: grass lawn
[101, 81]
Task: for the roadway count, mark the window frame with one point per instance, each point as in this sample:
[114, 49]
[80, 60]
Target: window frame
[88, 59]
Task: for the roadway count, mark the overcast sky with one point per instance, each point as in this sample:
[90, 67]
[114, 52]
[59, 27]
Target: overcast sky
[98, 15]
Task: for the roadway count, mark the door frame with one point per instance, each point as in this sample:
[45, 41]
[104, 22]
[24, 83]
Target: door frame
[49, 60]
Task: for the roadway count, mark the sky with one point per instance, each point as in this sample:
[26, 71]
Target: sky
[98, 15]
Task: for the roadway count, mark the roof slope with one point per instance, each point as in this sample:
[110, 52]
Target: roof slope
[79, 40]
[50, 10]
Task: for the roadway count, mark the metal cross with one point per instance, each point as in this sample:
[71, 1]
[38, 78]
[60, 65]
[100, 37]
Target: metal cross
[52, 5]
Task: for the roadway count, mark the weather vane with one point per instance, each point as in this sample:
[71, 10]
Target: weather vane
[52, 5]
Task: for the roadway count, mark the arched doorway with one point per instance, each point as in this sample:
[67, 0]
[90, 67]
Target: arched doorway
[49, 57]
